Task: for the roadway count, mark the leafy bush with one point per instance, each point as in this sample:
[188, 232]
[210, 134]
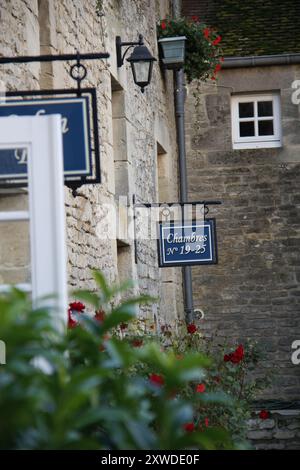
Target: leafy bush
[202, 50]
[231, 370]
[89, 388]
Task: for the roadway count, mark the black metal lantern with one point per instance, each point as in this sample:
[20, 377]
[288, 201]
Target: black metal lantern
[141, 61]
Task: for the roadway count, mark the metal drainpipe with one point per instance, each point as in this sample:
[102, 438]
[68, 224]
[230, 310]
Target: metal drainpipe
[180, 94]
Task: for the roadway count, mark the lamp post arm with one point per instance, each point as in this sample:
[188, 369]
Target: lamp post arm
[120, 44]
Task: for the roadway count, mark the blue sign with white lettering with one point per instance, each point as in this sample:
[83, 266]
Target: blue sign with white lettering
[75, 130]
[187, 244]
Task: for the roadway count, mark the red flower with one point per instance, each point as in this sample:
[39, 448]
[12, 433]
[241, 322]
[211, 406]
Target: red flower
[235, 357]
[163, 25]
[100, 316]
[213, 78]
[189, 427]
[264, 414]
[221, 59]
[217, 68]
[216, 41]
[71, 322]
[77, 306]
[200, 388]
[238, 354]
[191, 328]
[137, 343]
[206, 422]
[157, 379]
[206, 32]
[195, 18]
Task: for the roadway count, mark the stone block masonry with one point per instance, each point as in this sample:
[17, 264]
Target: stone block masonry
[128, 158]
[280, 432]
[254, 290]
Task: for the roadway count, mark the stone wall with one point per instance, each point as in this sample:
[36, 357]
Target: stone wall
[136, 130]
[254, 290]
[280, 432]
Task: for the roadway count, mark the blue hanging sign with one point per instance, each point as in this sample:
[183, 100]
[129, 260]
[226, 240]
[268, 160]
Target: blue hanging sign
[187, 244]
[75, 130]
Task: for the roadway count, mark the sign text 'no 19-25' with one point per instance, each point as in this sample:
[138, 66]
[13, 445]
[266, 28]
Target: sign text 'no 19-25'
[187, 244]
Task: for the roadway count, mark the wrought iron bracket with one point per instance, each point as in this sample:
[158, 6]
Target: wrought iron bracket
[78, 71]
[120, 44]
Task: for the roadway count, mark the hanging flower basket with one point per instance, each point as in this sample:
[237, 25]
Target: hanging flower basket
[172, 51]
[201, 47]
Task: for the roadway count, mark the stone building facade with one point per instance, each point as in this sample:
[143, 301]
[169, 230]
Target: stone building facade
[137, 132]
[254, 291]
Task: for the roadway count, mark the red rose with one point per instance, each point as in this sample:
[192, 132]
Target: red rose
[240, 351]
[137, 343]
[77, 306]
[264, 414]
[191, 328]
[206, 422]
[200, 388]
[213, 78]
[163, 25]
[217, 68]
[216, 41]
[238, 355]
[157, 379]
[189, 427]
[235, 357]
[195, 18]
[71, 322]
[206, 32]
[100, 316]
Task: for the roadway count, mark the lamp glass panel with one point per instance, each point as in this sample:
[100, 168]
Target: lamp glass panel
[141, 71]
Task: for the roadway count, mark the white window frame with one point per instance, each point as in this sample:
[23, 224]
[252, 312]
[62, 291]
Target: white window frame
[256, 141]
[43, 138]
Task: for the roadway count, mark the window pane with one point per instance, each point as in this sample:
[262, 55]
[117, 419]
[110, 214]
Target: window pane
[246, 110]
[13, 202]
[13, 162]
[265, 127]
[265, 108]
[14, 253]
[247, 129]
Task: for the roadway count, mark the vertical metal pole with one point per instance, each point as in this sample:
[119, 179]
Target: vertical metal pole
[134, 229]
[179, 111]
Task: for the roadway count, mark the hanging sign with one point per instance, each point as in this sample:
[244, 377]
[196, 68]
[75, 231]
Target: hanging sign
[76, 130]
[187, 244]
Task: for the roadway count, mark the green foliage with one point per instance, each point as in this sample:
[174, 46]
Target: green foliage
[89, 388]
[223, 383]
[202, 54]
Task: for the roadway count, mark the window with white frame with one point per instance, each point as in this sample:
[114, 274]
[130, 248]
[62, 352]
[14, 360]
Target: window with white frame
[256, 121]
[44, 215]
